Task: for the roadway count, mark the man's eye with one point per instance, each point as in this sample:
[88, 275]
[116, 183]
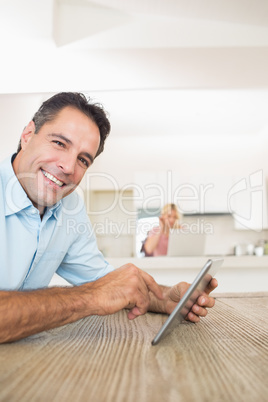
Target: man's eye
[84, 161]
[59, 143]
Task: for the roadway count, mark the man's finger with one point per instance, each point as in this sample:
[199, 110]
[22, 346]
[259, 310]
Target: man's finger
[152, 285]
[192, 317]
[211, 286]
[133, 313]
[198, 310]
[205, 301]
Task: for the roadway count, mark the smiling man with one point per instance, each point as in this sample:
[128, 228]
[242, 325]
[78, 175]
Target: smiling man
[37, 200]
[56, 159]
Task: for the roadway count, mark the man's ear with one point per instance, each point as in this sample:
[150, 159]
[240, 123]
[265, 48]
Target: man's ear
[27, 134]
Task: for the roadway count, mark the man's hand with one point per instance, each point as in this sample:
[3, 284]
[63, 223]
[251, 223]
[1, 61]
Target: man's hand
[126, 287]
[172, 296]
[199, 309]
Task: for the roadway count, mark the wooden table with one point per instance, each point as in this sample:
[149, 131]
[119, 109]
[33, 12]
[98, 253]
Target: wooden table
[222, 358]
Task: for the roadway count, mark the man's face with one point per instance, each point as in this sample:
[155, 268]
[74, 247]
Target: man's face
[52, 163]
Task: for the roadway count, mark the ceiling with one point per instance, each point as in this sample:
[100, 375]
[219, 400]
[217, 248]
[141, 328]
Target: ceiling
[195, 65]
[56, 45]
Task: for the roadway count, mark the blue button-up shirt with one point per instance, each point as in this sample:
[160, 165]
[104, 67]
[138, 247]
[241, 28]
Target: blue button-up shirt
[32, 250]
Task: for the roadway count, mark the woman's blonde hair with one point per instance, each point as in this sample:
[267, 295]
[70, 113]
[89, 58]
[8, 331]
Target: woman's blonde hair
[171, 207]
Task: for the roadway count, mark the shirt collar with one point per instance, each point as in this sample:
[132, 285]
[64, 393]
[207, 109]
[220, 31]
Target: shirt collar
[54, 210]
[15, 197]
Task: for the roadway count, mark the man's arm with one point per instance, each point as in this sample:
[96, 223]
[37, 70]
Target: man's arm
[29, 312]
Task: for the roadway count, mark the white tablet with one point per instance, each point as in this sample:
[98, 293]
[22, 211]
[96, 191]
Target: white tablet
[189, 298]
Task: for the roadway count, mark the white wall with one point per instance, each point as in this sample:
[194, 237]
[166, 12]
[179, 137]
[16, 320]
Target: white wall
[191, 156]
[15, 113]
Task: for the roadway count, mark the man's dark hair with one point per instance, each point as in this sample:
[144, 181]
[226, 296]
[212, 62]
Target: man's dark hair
[49, 110]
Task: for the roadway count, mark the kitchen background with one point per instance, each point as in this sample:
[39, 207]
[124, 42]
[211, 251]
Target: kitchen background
[188, 107]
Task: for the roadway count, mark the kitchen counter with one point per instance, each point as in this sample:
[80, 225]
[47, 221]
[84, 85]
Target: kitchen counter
[230, 261]
[238, 274]
[107, 359]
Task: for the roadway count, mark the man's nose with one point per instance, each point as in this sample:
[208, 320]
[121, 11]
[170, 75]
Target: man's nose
[67, 163]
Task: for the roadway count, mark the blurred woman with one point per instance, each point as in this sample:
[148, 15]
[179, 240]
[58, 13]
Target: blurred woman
[156, 243]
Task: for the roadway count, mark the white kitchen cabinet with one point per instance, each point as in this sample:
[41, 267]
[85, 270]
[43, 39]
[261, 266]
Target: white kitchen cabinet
[195, 194]
[248, 202]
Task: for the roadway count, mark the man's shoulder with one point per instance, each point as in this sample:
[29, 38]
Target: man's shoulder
[6, 167]
[6, 171]
[3, 165]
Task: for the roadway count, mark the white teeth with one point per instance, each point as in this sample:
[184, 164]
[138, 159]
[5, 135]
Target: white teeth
[52, 178]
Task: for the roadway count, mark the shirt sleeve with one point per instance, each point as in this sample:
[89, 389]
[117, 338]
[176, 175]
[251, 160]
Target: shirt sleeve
[83, 261]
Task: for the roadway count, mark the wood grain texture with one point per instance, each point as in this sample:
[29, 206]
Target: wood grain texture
[222, 358]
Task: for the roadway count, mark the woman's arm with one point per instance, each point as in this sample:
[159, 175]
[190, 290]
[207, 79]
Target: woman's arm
[152, 242]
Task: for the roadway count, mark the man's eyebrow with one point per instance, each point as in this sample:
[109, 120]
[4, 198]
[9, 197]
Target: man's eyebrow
[62, 137]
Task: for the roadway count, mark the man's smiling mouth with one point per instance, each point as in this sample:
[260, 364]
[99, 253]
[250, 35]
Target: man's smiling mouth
[52, 178]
